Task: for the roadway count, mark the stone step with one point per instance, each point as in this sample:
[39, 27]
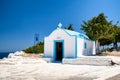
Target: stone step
[94, 60]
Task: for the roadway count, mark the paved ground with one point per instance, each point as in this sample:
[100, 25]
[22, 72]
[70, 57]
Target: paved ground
[117, 77]
[55, 71]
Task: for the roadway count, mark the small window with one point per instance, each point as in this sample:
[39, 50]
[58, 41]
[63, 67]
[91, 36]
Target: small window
[85, 45]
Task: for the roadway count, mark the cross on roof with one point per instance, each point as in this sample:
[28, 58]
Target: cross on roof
[60, 25]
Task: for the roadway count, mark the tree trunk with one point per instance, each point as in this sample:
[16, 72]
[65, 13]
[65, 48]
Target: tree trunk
[97, 47]
[115, 45]
[103, 48]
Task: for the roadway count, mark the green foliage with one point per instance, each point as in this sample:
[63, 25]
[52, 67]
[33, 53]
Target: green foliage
[98, 28]
[70, 27]
[38, 48]
[116, 35]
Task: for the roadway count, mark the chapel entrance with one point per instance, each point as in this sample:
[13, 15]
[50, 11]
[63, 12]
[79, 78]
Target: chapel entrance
[59, 51]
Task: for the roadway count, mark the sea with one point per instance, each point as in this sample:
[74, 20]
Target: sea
[4, 54]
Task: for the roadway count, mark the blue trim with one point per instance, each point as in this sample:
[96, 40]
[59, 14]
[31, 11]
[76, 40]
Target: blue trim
[85, 39]
[75, 46]
[44, 47]
[54, 51]
[85, 45]
[67, 32]
[77, 36]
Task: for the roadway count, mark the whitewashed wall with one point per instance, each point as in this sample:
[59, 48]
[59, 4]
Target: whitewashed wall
[89, 51]
[80, 47]
[69, 47]
[48, 47]
[59, 34]
[94, 49]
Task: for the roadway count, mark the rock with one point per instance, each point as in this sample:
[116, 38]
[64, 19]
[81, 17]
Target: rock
[18, 59]
[19, 53]
[16, 54]
[4, 58]
[10, 55]
[116, 60]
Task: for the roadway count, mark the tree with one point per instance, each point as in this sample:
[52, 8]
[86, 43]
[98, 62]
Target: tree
[116, 35]
[70, 27]
[97, 29]
[38, 48]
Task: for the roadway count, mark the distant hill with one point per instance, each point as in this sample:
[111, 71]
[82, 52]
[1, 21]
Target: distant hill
[38, 48]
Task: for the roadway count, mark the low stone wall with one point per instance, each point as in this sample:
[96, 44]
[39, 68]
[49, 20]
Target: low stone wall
[89, 60]
[18, 60]
[113, 53]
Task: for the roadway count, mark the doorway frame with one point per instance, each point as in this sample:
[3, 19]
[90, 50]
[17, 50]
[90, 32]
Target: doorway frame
[54, 51]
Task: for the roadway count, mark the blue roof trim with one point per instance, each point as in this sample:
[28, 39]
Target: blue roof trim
[74, 33]
[79, 35]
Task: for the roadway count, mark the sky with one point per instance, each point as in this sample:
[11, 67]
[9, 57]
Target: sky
[21, 19]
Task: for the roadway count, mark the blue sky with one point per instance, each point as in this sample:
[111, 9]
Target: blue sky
[21, 19]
